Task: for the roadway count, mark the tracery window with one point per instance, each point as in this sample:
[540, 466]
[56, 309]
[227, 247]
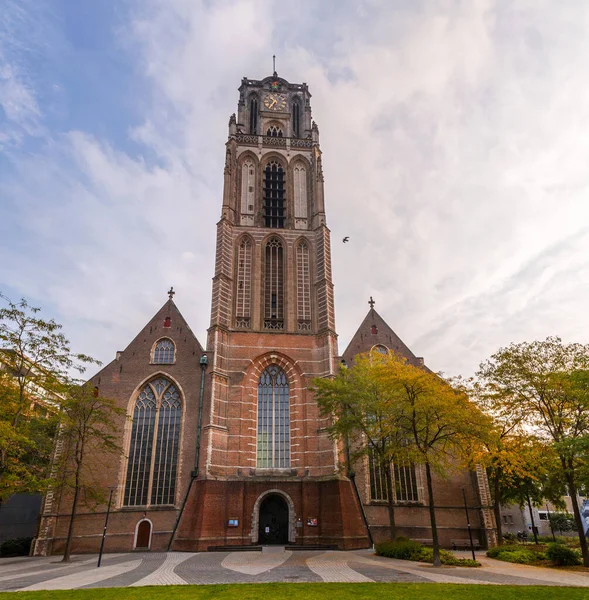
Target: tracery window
[274, 131]
[244, 284]
[253, 115]
[274, 213]
[273, 450]
[300, 191]
[303, 287]
[381, 349]
[405, 483]
[164, 352]
[296, 118]
[153, 447]
[274, 285]
[248, 178]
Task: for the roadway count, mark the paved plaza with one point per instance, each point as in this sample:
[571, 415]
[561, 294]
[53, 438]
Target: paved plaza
[273, 564]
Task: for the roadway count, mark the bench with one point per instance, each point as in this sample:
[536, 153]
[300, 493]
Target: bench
[424, 541]
[465, 544]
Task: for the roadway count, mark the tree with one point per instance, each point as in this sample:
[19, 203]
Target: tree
[516, 461]
[545, 384]
[561, 521]
[442, 425]
[25, 448]
[88, 430]
[365, 417]
[37, 359]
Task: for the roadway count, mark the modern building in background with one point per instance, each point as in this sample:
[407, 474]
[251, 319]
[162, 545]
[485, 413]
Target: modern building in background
[225, 446]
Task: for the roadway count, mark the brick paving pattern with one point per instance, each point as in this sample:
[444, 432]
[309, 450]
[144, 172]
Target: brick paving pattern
[271, 565]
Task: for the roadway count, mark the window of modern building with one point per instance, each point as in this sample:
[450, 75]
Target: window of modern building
[164, 352]
[153, 447]
[273, 450]
[274, 285]
[274, 195]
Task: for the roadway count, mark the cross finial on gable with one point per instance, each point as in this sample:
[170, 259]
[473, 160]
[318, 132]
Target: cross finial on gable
[171, 293]
[371, 302]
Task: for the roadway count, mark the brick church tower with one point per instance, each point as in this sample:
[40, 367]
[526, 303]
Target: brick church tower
[267, 471]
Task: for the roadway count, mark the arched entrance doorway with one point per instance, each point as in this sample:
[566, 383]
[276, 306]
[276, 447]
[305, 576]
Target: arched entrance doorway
[273, 520]
[143, 535]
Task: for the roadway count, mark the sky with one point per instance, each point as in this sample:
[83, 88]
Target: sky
[455, 139]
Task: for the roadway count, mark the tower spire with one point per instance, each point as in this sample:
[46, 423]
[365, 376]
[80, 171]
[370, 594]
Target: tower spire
[274, 63]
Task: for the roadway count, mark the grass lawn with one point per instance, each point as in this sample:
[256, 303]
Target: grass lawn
[313, 591]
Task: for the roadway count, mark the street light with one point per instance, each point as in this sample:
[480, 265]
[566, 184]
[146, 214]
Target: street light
[112, 489]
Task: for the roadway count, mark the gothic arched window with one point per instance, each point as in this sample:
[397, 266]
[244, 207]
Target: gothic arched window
[244, 284]
[274, 285]
[300, 191]
[273, 449]
[248, 178]
[274, 195]
[253, 115]
[153, 448]
[164, 352]
[274, 131]
[303, 287]
[296, 118]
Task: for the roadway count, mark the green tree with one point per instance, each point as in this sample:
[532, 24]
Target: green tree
[442, 425]
[365, 417]
[545, 384]
[36, 359]
[561, 521]
[88, 435]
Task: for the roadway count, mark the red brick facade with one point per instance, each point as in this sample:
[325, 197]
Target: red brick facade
[272, 308]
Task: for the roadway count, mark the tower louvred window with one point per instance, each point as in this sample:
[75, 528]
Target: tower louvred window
[274, 195]
[296, 118]
[253, 115]
[153, 448]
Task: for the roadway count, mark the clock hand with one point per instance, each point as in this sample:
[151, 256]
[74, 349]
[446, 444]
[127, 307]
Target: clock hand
[273, 102]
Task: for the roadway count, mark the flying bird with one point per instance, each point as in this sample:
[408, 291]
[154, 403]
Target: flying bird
[346, 239]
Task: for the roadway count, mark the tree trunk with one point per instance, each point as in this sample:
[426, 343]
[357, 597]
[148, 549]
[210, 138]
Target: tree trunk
[497, 508]
[432, 516]
[390, 501]
[578, 519]
[70, 531]
[532, 519]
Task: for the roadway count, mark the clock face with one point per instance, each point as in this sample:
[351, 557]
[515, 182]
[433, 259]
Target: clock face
[275, 102]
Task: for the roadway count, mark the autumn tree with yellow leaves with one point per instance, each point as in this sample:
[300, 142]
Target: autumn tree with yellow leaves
[422, 417]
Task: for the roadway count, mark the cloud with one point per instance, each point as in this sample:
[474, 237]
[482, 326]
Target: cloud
[454, 159]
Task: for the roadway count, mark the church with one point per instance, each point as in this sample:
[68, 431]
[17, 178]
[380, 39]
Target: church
[223, 444]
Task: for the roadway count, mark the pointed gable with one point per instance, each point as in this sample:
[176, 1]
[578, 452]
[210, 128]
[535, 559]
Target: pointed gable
[374, 331]
[169, 323]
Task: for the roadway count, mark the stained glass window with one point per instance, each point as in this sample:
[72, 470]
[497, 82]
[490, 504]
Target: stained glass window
[274, 213]
[273, 419]
[164, 351]
[157, 417]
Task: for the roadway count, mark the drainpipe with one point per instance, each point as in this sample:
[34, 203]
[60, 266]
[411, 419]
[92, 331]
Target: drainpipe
[203, 367]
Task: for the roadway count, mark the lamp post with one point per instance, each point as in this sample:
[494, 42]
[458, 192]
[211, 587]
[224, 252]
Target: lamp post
[468, 525]
[112, 489]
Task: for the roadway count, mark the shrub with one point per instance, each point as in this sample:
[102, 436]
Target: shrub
[16, 547]
[447, 558]
[402, 548]
[494, 552]
[510, 537]
[562, 555]
[522, 557]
